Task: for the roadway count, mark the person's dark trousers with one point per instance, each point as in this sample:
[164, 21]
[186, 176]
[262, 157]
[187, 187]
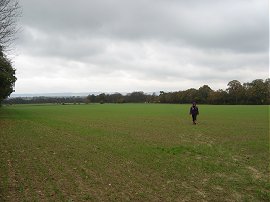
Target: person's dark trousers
[194, 118]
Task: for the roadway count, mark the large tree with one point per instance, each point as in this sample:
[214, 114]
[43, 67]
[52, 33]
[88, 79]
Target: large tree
[204, 92]
[236, 91]
[9, 13]
[258, 90]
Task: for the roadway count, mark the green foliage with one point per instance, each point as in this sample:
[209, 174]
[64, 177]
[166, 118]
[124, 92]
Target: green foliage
[236, 91]
[258, 91]
[7, 77]
[204, 92]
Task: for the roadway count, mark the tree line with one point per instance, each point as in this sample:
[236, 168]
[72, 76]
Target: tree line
[255, 92]
[46, 100]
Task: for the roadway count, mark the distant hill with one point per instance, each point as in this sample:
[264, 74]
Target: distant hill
[13, 95]
[68, 94]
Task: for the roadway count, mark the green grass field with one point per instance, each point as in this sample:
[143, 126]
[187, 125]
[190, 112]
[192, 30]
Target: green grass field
[143, 152]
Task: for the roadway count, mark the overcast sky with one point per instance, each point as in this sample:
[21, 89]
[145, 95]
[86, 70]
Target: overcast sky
[148, 45]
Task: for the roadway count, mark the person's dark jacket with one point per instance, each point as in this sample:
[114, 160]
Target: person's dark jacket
[194, 110]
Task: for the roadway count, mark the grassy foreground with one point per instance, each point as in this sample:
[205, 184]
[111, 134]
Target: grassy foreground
[142, 152]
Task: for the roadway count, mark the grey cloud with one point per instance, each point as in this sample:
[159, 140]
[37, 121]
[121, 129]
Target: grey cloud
[37, 43]
[158, 41]
[235, 25]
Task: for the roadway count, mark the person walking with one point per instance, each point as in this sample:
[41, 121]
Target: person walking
[194, 111]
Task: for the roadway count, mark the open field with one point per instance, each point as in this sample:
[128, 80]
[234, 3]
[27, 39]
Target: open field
[145, 152]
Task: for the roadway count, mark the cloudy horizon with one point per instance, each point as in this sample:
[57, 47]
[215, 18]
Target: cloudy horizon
[124, 46]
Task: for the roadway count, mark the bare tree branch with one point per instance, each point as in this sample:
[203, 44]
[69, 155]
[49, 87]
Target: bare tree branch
[10, 11]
